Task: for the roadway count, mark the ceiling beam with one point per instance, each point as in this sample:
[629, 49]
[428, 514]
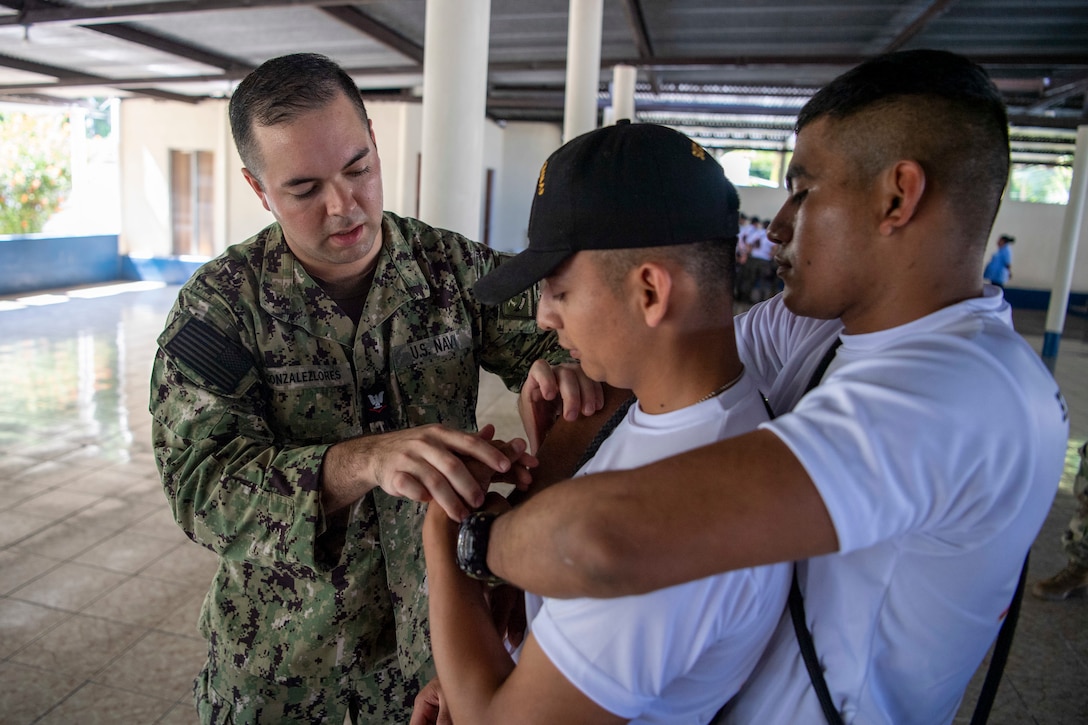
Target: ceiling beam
[35, 14]
[639, 29]
[1058, 94]
[935, 9]
[132, 34]
[75, 80]
[68, 77]
[46, 70]
[357, 19]
[1042, 60]
[641, 32]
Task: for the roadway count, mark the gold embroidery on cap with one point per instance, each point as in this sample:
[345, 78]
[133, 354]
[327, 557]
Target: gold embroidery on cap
[540, 181]
[697, 151]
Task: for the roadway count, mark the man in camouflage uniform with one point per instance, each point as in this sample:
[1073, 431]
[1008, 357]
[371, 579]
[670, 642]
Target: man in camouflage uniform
[1072, 581]
[295, 394]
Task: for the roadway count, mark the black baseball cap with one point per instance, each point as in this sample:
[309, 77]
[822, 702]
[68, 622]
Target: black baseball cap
[619, 187]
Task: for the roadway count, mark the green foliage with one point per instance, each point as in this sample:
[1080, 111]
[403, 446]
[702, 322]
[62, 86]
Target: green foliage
[35, 177]
[1040, 184]
[764, 165]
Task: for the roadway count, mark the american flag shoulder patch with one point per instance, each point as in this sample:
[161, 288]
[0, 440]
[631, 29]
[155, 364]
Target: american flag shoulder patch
[210, 353]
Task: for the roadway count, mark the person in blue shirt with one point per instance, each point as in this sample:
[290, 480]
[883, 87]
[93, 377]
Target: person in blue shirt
[999, 269]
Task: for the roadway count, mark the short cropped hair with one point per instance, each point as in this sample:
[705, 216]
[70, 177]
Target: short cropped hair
[930, 106]
[711, 264]
[282, 89]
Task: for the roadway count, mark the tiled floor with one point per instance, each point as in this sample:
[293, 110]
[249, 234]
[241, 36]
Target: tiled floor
[99, 590]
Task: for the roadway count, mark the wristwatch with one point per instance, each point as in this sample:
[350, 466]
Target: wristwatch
[472, 540]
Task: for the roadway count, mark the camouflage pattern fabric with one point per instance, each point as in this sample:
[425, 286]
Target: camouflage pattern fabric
[258, 372]
[224, 697]
[1075, 536]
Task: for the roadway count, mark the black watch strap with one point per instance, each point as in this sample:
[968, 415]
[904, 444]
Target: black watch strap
[472, 540]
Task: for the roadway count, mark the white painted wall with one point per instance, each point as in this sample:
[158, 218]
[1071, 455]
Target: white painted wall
[398, 130]
[149, 129]
[525, 148]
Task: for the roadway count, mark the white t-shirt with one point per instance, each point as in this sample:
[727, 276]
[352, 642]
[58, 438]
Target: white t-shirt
[937, 448]
[674, 655]
[761, 246]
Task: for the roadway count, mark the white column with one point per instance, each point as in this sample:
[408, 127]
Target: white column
[1072, 229]
[454, 107]
[583, 67]
[623, 92]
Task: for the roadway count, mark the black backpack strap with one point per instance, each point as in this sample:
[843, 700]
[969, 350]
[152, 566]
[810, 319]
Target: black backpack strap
[1001, 652]
[808, 652]
[797, 602]
[606, 430]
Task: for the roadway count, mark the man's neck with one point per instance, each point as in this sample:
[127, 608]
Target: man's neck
[689, 374]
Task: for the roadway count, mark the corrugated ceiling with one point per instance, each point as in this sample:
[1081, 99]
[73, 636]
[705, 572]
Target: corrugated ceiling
[733, 73]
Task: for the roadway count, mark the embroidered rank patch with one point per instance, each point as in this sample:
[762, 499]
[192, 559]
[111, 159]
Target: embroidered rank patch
[379, 416]
[522, 307]
[220, 360]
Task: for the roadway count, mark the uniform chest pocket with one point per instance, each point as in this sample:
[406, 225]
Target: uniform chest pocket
[311, 403]
[438, 379]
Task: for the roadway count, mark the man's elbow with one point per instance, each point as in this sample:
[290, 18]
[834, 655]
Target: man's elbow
[597, 561]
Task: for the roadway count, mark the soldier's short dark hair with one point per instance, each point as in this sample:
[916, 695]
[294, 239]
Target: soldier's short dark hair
[934, 107]
[280, 90]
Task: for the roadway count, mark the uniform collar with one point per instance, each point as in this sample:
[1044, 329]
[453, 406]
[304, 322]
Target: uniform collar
[290, 294]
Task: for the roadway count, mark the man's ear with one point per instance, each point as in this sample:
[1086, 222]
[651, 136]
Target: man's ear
[654, 283]
[902, 187]
[370, 129]
[255, 184]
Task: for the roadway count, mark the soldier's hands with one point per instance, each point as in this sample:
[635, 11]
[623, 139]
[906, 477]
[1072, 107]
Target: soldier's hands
[516, 452]
[427, 463]
[551, 390]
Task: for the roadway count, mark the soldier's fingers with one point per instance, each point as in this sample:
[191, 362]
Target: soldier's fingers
[451, 500]
[448, 478]
[448, 444]
[519, 474]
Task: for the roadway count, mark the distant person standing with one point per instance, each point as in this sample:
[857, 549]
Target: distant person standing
[760, 269]
[1072, 581]
[742, 254]
[999, 269]
[752, 241]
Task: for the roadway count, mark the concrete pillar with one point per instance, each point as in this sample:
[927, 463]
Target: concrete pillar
[1072, 228]
[454, 107]
[623, 92]
[583, 67]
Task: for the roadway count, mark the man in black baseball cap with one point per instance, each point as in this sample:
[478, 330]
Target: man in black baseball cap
[626, 186]
[632, 236]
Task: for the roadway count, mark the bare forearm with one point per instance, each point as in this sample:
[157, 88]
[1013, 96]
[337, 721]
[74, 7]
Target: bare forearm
[469, 654]
[734, 504]
[566, 442]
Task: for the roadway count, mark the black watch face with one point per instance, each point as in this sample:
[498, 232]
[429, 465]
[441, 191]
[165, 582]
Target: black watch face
[466, 547]
[472, 545]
